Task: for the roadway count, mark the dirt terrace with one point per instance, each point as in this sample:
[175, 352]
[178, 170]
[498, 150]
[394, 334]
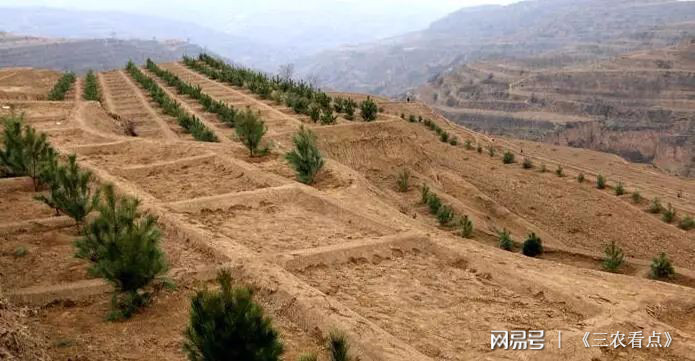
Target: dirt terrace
[351, 253]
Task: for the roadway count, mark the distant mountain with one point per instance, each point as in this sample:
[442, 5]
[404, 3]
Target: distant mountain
[82, 55]
[74, 24]
[594, 29]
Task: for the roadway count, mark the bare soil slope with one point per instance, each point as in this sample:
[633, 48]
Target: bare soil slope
[351, 252]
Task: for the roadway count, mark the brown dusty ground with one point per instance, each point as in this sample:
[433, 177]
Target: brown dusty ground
[351, 252]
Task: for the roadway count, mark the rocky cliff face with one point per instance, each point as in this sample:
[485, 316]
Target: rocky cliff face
[669, 150]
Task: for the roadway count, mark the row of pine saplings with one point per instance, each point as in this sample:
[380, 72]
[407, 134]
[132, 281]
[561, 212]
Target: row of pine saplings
[190, 123]
[301, 97]
[65, 83]
[661, 265]
[122, 245]
[443, 135]
[668, 214]
[613, 260]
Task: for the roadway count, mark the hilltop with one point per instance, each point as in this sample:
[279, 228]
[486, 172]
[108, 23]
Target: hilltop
[581, 30]
[81, 55]
[355, 250]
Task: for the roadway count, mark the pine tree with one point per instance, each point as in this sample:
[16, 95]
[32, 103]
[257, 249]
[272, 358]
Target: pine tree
[600, 182]
[403, 181]
[425, 193]
[491, 150]
[655, 207]
[227, 325]
[532, 246]
[314, 112]
[505, 240]
[508, 157]
[528, 164]
[26, 152]
[636, 197]
[661, 267]
[444, 136]
[250, 129]
[434, 203]
[349, 107]
[12, 156]
[338, 346]
[305, 157]
[580, 178]
[669, 214]
[445, 215]
[70, 191]
[619, 189]
[327, 117]
[123, 246]
[466, 226]
[368, 110]
[687, 223]
[468, 144]
[613, 258]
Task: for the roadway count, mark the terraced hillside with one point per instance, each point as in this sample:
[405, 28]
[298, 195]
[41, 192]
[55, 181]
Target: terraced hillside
[351, 252]
[639, 105]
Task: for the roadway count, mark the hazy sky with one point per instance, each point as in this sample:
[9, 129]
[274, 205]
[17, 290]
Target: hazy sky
[215, 13]
[292, 28]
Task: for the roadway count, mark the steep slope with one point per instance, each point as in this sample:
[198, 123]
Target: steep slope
[584, 29]
[640, 105]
